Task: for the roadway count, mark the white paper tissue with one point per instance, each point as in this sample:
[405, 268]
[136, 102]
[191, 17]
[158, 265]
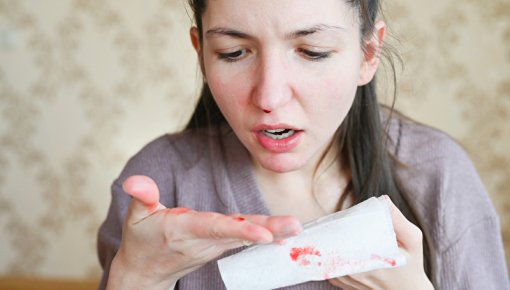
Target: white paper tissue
[355, 240]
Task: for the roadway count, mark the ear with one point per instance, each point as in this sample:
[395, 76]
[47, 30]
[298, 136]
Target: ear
[371, 53]
[195, 41]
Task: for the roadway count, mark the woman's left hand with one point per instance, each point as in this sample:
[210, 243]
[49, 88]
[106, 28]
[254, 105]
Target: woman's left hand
[410, 276]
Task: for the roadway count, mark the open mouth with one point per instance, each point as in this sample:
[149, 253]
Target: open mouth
[280, 138]
[278, 134]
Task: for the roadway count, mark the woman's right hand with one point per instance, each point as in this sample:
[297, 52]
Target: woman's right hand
[160, 245]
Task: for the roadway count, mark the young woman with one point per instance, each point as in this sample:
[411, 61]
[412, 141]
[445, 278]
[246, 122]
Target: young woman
[288, 129]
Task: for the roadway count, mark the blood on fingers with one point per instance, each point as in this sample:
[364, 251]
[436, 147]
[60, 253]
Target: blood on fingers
[179, 210]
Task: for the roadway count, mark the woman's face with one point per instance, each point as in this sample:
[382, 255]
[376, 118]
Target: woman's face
[284, 74]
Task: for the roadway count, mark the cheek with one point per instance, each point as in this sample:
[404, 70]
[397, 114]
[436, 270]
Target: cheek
[228, 83]
[336, 92]
[231, 97]
[228, 92]
[330, 100]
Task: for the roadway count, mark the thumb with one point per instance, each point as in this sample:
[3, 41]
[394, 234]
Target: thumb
[145, 195]
[409, 236]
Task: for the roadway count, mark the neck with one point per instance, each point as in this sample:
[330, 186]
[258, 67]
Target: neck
[304, 177]
[314, 189]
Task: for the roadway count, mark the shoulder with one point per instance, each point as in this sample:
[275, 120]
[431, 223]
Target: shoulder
[416, 144]
[166, 158]
[170, 150]
[442, 183]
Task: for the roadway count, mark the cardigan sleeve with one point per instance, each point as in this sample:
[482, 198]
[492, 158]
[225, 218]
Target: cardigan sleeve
[456, 214]
[470, 252]
[475, 260]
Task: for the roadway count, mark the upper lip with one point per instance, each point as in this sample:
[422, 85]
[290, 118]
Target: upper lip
[274, 127]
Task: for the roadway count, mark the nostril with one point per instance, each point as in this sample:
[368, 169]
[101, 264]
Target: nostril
[267, 111]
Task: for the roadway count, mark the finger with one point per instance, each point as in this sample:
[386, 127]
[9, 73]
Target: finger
[211, 225]
[281, 227]
[342, 283]
[145, 195]
[408, 234]
[352, 282]
[229, 244]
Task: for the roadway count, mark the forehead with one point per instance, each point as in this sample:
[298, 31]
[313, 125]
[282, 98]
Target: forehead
[278, 16]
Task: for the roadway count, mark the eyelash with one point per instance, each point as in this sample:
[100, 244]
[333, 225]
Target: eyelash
[237, 55]
[232, 56]
[314, 55]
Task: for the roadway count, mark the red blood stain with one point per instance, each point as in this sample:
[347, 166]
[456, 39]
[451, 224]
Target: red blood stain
[331, 265]
[300, 255]
[151, 208]
[295, 253]
[179, 210]
[239, 219]
[389, 261]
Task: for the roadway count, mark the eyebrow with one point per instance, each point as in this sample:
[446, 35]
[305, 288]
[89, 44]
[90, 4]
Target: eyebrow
[313, 29]
[220, 31]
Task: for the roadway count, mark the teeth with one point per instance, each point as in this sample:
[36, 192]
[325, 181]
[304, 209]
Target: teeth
[278, 134]
[276, 131]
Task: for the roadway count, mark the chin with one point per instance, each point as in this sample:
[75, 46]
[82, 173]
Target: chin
[280, 165]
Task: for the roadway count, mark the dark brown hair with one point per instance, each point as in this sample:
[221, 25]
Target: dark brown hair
[362, 139]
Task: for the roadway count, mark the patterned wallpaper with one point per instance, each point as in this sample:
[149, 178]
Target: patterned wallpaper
[84, 84]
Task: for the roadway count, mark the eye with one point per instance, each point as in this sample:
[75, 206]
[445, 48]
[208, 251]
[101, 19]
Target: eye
[233, 56]
[314, 55]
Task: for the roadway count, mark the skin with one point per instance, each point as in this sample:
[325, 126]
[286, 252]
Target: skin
[267, 68]
[268, 63]
[160, 245]
[277, 72]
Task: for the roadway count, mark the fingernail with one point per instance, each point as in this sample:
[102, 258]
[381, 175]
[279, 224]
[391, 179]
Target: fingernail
[247, 243]
[292, 231]
[282, 242]
[264, 240]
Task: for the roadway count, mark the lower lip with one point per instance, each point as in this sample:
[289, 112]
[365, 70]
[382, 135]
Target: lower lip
[280, 145]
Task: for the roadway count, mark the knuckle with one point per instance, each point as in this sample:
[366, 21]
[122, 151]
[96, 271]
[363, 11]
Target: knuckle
[215, 232]
[216, 229]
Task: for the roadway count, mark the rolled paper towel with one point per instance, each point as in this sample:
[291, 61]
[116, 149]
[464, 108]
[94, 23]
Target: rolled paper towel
[354, 240]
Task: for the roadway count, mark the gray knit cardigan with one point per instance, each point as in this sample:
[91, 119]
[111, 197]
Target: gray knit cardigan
[214, 173]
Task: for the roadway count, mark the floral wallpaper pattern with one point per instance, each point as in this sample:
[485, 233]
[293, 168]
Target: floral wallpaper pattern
[84, 84]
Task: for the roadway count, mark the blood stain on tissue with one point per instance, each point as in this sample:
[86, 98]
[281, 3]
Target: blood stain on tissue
[301, 255]
[389, 261]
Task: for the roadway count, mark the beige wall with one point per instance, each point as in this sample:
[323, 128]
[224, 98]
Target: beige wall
[84, 84]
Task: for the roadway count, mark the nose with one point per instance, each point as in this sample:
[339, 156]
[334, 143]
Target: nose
[272, 89]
